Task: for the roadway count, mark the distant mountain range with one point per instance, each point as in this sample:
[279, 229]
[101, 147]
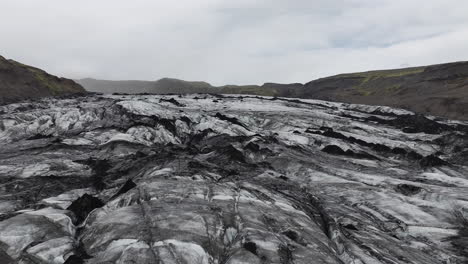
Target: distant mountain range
[176, 86]
[19, 81]
[440, 90]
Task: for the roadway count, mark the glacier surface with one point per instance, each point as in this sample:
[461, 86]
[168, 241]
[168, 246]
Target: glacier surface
[229, 179]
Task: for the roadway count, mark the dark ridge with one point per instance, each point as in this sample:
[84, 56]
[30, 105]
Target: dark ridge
[100, 168]
[129, 184]
[284, 178]
[197, 165]
[195, 139]
[432, 161]
[151, 121]
[224, 140]
[407, 189]
[409, 154]
[285, 254]
[314, 207]
[5, 216]
[351, 227]
[169, 124]
[39, 136]
[291, 235]
[460, 241]
[172, 101]
[5, 258]
[419, 123]
[80, 250]
[233, 154]
[335, 150]
[463, 128]
[252, 147]
[381, 113]
[82, 206]
[251, 246]
[329, 132]
[414, 124]
[295, 236]
[74, 259]
[30, 191]
[186, 120]
[297, 101]
[232, 120]
[219, 96]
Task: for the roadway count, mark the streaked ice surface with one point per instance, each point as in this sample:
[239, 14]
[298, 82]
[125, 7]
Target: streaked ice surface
[230, 179]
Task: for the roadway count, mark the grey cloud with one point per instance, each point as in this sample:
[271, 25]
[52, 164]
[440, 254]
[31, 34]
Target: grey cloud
[224, 41]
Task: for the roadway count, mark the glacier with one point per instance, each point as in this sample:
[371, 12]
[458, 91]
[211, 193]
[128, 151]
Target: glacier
[229, 179]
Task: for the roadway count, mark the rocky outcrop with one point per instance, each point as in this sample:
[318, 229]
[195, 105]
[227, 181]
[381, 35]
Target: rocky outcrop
[229, 179]
[19, 81]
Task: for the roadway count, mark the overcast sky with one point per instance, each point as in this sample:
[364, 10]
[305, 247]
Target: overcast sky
[231, 41]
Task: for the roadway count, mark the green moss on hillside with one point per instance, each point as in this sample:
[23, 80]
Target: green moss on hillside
[53, 87]
[370, 75]
[393, 89]
[52, 83]
[368, 83]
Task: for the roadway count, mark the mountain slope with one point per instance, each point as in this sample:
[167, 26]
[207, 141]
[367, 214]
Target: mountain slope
[440, 90]
[19, 81]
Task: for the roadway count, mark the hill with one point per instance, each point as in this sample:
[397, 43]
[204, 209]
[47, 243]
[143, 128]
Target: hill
[440, 90]
[165, 85]
[19, 81]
